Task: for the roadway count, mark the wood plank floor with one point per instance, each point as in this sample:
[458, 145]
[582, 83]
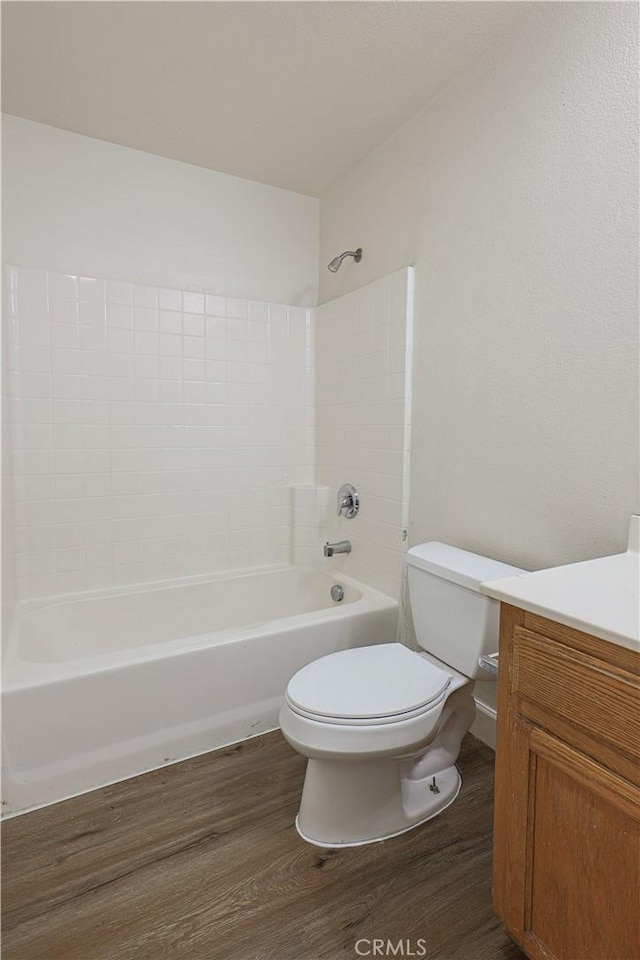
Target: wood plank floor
[201, 861]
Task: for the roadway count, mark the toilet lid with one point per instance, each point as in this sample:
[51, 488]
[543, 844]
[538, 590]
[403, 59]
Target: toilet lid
[367, 682]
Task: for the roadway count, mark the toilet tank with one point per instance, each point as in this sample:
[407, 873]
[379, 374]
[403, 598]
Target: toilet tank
[452, 619]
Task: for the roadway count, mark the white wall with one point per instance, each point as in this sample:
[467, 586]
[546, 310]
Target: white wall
[515, 194]
[81, 206]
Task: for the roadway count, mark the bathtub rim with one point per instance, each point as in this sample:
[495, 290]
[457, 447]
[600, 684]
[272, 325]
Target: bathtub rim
[19, 673]
[148, 586]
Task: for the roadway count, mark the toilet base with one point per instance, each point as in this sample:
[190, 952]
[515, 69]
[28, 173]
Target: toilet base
[346, 805]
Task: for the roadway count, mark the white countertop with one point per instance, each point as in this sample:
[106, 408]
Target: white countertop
[600, 597]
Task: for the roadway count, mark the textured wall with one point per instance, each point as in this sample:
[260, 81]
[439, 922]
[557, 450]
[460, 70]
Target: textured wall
[82, 206]
[515, 195]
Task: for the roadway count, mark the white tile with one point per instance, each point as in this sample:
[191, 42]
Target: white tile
[215, 306]
[216, 328]
[380, 336]
[119, 315]
[171, 368]
[145, 296]
[94, 387]
[34, 488]
[31, 359]
[96, 484]
[147, 367]
[68, 511]
[194, 369]
[32, 294]
[64, 335]
[169, 321]
[170, 345]
[63, 311]
[259, 311]
[121, 341]
[66, 361]
[237, 309]
[145, 319]
[195, 391]
[193, 325]
[67, 436]
[396, 361]
[146, 342]
[147, 390]
[238, 329]
[238, 351]
[32, 411]
[33, 462]
[278, 329]
[60, 285]
[193, 347]
[122, 388]
[216, 349]
[397, 334]
[98, 555]
[192, 302]
[32, 333]
[95, 410]
[92, 312]
[91, 289]
[72, 558]
[170, 299]
[93, 338]
[118, 292]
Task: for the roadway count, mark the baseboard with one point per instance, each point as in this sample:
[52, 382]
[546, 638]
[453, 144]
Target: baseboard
[484, 725]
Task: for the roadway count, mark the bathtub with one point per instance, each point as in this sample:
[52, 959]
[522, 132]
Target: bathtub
[105, 686]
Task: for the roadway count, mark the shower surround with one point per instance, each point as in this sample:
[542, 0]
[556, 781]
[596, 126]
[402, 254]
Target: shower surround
[158, 434]
[364, 347]
[155, 433]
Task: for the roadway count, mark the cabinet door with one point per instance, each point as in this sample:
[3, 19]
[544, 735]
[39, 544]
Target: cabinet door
[579, 882]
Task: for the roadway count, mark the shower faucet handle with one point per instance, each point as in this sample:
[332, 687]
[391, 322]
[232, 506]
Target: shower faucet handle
[348, 501]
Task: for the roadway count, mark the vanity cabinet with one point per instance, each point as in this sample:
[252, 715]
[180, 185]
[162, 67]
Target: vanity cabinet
[566, 879]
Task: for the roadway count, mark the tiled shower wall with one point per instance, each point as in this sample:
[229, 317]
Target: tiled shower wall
[155, 432]
[363, 372]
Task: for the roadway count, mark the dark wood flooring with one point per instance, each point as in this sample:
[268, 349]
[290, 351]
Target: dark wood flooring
[201, 861]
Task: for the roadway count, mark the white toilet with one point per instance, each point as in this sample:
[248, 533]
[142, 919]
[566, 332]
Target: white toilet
[382, 725]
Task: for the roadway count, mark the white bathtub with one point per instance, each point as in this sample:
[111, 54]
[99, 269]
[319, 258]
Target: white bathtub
[103, 687]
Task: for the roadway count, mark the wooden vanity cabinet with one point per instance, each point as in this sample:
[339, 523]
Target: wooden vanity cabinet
[566, 867]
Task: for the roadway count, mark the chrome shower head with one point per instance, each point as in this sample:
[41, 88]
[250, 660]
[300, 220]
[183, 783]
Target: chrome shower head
[334, 266]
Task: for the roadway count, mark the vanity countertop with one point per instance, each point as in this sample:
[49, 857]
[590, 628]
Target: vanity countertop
[600, 597]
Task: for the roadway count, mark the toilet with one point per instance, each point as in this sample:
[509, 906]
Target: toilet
[381, 725]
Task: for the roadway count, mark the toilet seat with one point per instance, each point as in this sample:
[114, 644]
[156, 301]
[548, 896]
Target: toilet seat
[366, 686]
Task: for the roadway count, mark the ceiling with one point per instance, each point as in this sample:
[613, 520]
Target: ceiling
[291, 94]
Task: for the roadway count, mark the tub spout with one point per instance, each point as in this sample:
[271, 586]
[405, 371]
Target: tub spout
[342, 546]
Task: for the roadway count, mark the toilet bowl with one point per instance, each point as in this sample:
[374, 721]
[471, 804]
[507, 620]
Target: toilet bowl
[389, 784]
[381, 726]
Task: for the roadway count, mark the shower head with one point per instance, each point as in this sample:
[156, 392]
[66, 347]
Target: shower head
[334, 266]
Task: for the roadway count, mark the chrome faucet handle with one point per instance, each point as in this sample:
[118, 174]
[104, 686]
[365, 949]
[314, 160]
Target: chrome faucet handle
[348, 501]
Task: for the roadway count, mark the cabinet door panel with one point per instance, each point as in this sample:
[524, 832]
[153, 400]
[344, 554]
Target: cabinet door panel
[583, 863]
